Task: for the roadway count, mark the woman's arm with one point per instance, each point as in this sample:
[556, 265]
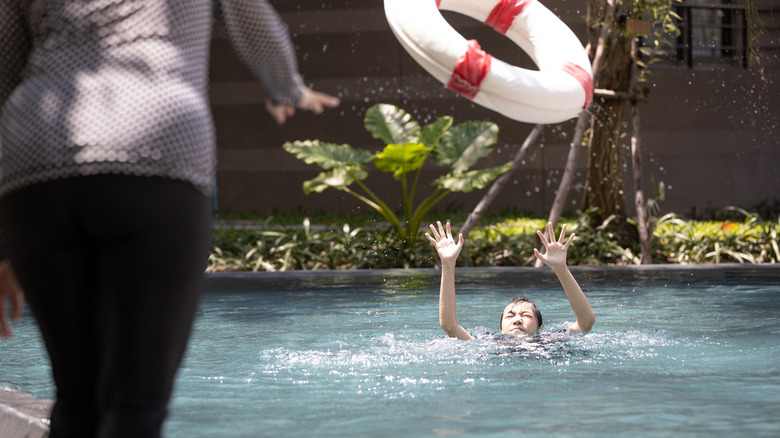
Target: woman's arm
[555, 258]
[448, 251]
[263, 43]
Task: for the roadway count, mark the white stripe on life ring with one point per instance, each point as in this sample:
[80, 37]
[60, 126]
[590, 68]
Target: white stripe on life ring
[558, 91]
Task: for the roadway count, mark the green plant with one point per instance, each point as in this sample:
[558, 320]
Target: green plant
[275, 247]
[613, 241]
[664, 30]
[507, 243]
[330, 243]
[305, 247]
[408, 147]
[753, 240]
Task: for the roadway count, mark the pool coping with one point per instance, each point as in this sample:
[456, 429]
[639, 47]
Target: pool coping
[244, 281]
[401, 271]
[22, 415]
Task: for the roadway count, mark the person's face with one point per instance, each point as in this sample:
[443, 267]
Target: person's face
[519, 318]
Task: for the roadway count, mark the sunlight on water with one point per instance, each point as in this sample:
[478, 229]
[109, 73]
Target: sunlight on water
[370, 357]
[362, 355]
[374, 357]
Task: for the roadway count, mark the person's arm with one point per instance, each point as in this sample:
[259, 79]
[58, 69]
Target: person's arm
[263, 43]
[448, 250]
[555, 258]
[9, 291]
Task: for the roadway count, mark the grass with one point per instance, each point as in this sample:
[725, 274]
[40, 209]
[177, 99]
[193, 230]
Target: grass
[299, 241]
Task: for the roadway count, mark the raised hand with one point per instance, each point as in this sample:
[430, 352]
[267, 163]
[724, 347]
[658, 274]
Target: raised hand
[447, 248]
[555, 251]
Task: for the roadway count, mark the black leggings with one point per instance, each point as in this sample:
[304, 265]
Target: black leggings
[112, 269]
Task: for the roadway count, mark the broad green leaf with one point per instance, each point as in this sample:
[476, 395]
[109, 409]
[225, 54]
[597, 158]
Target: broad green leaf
[464, 144]
[336, 178]
[432, 133]
[475, 179]
[391, 124]
[327, 155]
[401, 159]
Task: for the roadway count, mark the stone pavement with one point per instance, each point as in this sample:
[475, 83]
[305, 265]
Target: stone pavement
[22, 415]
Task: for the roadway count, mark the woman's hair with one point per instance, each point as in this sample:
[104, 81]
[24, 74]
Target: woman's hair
[516, 300]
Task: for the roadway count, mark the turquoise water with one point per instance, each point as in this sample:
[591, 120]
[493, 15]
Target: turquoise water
[677, 351]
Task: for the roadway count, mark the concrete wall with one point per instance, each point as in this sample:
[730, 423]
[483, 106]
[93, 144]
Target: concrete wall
[708, 132]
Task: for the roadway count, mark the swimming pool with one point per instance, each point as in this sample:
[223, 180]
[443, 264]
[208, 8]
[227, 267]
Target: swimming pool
[689, 351]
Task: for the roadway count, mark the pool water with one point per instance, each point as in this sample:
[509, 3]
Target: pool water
[684, 351]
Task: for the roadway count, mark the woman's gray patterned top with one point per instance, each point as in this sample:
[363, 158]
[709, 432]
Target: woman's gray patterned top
[120, 86]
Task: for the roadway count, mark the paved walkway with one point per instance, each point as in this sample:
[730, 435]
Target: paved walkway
[22, 415]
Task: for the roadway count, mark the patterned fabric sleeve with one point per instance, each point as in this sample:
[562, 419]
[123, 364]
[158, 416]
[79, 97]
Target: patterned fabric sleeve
[15, 46]
[263, 43]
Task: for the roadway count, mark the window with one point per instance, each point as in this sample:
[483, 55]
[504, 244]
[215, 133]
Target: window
[711, 34]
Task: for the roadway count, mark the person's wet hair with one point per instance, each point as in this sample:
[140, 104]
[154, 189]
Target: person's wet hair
[517, 300]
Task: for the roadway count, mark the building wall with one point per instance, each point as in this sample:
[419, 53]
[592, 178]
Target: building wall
[709, 133]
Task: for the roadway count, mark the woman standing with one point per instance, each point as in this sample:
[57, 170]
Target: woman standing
[107, 162]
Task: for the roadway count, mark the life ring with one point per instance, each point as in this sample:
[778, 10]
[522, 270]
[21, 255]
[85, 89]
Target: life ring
[559, 90]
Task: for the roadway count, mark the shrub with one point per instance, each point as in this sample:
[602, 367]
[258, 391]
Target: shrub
[408, 147]
[509, 241]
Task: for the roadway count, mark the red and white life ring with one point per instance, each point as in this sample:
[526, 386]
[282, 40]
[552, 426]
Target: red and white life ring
[559, 90]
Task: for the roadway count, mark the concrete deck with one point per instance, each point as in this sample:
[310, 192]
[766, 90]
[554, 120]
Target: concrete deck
[22, 415]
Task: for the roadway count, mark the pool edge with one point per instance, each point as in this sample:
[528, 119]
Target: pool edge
[404, 271]
[22, 415]
[640, 274]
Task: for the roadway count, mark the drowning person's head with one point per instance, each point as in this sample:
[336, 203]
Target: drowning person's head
[520, 316]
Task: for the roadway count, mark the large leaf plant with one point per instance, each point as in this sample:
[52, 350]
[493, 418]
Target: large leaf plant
[409, 147]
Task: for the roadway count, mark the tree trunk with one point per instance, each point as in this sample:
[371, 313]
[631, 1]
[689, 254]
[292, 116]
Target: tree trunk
[604, 185]
[499, 183]
[567, 179]
[643, 223]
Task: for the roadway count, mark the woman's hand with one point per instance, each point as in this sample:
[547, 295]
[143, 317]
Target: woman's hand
[555, 251]
[310, 100]
[444, 244]
[9, 290]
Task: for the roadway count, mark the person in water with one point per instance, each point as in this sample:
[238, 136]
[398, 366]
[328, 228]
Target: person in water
[521, 315]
